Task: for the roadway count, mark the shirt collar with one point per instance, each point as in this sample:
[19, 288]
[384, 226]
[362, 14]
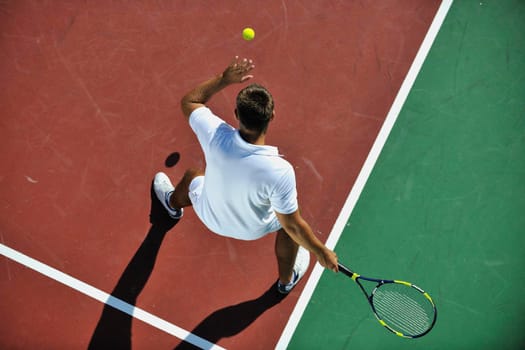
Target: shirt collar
[264, 150]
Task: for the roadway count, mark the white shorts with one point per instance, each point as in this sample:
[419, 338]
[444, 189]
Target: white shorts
[195, 190]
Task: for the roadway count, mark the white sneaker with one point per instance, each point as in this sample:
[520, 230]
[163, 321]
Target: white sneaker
[302, 261]
[163, 189]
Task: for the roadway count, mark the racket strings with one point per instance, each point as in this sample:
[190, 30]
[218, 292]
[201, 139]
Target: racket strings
[403, 308]
[395, 314]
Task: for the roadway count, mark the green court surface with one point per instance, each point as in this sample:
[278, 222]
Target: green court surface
[445, 204]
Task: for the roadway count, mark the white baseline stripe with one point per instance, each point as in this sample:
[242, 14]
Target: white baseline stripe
[106, 298]
[361, 180]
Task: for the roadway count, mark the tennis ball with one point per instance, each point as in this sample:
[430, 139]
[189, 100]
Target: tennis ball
[248, 34]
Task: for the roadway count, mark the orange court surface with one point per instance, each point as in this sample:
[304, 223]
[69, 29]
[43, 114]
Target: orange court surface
[90, 112]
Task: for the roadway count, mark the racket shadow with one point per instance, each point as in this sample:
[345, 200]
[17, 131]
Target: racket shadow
[233, 319]
[113, 330]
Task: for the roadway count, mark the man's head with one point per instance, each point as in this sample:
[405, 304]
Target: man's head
[255, 108]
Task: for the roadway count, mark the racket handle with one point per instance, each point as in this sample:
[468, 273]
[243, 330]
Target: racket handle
[345, 270]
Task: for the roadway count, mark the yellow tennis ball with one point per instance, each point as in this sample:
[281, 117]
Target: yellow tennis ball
[248, 34]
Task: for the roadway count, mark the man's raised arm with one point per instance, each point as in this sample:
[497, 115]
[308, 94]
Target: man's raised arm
[236, 72]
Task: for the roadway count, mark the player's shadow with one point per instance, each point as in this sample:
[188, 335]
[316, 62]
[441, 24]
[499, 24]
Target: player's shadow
[233, 319]
[113, 330]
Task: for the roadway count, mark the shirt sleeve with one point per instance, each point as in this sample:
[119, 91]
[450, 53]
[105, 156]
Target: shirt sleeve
[284, 196]
[204, 124]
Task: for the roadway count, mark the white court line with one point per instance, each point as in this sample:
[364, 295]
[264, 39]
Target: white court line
[361, 180]
[107, 299]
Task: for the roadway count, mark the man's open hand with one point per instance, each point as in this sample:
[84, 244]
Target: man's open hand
[237, 71]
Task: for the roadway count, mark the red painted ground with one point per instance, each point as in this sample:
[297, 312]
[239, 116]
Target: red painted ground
[89, 96]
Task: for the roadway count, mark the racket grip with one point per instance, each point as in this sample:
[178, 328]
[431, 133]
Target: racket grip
[345, 270]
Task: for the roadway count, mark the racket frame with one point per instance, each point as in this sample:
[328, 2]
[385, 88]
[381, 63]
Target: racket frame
[370, 297]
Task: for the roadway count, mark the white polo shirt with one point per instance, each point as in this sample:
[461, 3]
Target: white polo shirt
[243, 184]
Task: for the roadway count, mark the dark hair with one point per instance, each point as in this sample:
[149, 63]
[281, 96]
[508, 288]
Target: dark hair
[255, 107]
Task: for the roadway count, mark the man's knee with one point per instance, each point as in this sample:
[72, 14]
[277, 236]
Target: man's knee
[181, 198]
[192, 173]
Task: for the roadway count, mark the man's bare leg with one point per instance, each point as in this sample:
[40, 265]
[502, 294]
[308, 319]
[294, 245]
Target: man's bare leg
[180, 198]
[285, 251]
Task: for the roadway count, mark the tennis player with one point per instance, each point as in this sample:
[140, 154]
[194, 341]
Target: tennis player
[247, 190]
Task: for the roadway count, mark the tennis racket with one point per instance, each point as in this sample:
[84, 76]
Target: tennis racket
[401, 307]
